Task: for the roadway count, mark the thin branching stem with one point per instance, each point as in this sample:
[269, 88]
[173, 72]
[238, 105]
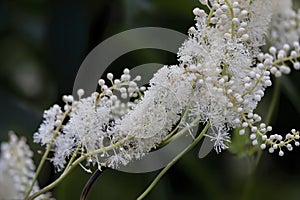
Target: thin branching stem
[160, 175]
[72, 166]
[45, 156]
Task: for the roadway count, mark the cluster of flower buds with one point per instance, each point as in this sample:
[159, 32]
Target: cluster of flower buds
[87, 123]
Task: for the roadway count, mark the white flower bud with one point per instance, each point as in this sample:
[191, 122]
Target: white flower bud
[80, 93]
[110, 76]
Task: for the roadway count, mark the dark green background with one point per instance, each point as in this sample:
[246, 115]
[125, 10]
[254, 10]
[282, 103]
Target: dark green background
[42, 44]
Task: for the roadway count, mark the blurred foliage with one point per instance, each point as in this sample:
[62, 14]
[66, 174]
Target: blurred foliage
[42, 44]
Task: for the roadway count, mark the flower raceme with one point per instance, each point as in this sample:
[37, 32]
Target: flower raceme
[221, 77]
[17, 169]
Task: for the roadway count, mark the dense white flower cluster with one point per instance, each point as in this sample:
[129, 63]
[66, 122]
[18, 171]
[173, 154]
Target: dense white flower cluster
[90, 121]
[285, 27]
[223, 50]
[221, 78]
[156, 113]
[16, 169]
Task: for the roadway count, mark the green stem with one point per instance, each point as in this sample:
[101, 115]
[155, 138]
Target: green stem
[211, 12]
[173, 136]
[271, 109]
[73, 157]
[72, 166]
[39, 169]
[45, 156]
[255, 84]
[170, 136]
[54, 183]
[232, 16]
[187, 149]
[274, 101]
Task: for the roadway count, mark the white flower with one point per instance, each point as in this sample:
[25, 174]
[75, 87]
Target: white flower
[258, 25]
[46, 130]
[84, 129]
[221, 78]
[16, 169]
[228, 83]
[154, 116]
[220, 137]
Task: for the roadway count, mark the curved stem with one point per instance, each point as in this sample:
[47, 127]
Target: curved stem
[54, 183]
[38, 171]
[274, 101]
[172, 135]
[232, 16]
[187, 149]
[44, 158]
[72, 166]
[90, 182]
[271, 109]
[211, 12]
[73, 157]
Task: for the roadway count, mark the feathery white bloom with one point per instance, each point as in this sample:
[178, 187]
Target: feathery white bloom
[46, 130]
[220, 137]
[285, 24]
[87, 125]
[16, 169]
[227, 82]
[221, 78]
[154, 116]
[258, 24]
[84, 129]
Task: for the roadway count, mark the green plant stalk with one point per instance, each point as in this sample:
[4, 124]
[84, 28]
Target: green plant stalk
[170, 136]
[232, 16]
[211, 12]
[73, 157]
[275, 99]
[39, 169]
[274, 102]
[62, 176]
[187, 149]
[180, 133]
[71, 167]
[44, 158]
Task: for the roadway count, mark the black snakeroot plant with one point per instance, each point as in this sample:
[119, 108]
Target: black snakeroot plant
[221, 77]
